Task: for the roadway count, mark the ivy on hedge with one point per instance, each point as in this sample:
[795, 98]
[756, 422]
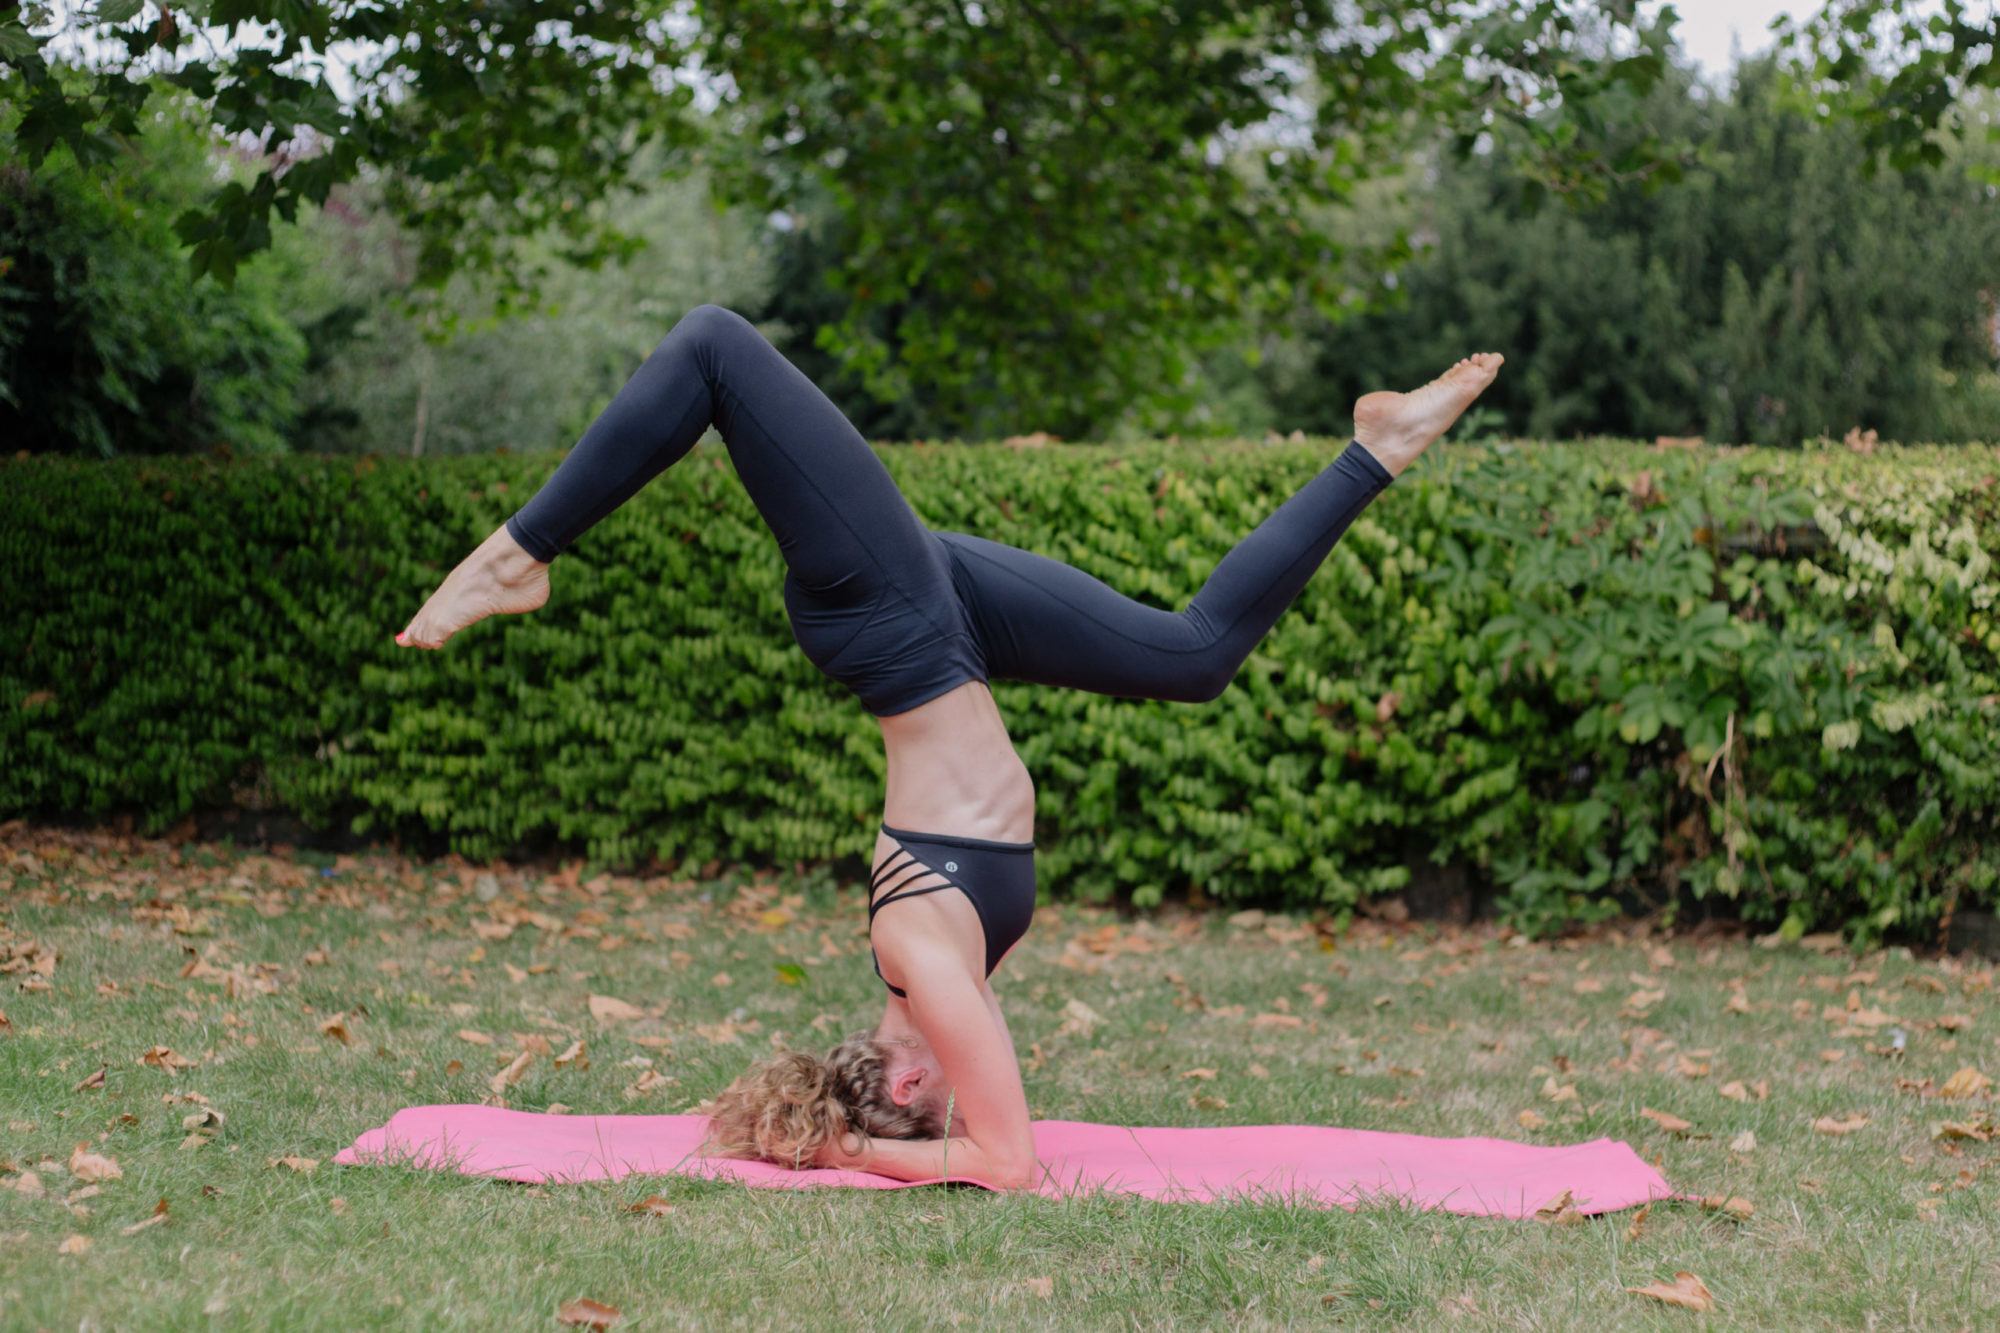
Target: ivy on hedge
[1594, 670]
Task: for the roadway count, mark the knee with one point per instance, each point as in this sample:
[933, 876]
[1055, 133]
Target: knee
[1206, 682]
[710, 323]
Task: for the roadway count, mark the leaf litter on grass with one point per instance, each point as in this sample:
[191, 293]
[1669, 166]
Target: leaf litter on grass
[293, 930]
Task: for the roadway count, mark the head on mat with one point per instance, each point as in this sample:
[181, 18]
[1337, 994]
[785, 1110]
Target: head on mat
[914, 624]
[789, 1108]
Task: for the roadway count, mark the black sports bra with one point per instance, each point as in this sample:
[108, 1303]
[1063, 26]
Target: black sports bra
[998, 878]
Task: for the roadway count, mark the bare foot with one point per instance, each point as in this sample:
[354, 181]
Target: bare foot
[1396, 427]
[497, 579]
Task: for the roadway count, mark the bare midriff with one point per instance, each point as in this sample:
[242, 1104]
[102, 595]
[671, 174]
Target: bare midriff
[953, 769]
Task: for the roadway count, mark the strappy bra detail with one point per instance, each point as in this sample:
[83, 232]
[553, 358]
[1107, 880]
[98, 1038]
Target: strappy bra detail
[997, 878]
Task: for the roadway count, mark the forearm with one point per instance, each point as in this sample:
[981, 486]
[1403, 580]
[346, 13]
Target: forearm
[932, 1159]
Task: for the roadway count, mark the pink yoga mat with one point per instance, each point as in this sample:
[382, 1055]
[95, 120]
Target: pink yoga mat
[1310, 1163]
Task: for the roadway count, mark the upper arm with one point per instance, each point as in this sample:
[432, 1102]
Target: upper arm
[977, 1056]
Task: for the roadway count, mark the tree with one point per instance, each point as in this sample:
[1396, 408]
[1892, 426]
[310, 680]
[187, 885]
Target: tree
[106, 344]
[1779, 293]
[1054, 202]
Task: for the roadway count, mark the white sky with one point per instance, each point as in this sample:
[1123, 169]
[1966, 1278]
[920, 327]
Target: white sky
[1708, 27]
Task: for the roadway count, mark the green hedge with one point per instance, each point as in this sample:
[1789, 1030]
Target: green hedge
[1526, 657]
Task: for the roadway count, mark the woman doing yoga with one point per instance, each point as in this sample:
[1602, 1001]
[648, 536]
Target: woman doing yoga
[915, 623]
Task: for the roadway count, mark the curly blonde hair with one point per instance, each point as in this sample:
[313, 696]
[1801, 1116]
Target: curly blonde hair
[786, 1109]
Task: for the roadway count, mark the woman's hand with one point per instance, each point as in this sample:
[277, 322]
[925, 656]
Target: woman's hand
[846, 1151]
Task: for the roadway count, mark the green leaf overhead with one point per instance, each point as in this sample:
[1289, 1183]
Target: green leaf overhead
[1058, 202]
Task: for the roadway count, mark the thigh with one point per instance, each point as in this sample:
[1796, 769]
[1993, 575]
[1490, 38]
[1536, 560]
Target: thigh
[842, 525]
[1043, 621]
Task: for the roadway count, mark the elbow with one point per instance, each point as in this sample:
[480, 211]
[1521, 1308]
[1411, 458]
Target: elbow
[1015, 1174]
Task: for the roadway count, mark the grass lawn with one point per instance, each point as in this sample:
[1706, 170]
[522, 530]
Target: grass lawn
[252, 1013]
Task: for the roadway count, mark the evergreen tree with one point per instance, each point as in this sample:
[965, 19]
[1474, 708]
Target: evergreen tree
[1781, 291]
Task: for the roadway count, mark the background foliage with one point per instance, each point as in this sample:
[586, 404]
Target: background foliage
[1762, 679]
[1781, 291]
[107, 345]
[1068, 204]
[1778, 293]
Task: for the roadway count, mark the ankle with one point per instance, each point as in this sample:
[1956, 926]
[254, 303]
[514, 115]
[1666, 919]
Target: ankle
[506, 559]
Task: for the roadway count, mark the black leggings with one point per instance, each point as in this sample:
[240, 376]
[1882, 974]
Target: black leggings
[898, 613]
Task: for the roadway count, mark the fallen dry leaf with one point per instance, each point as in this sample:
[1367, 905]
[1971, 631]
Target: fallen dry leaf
[1203, 1074]
[652, 1206]
[611, 1009]
[1826, 1124]
[1735, 1091]
[1561, 1210]
[517, 975]
[1532, 1119]
[336, 1027]
[153, 1219]
[1043, 1287]
[648, 1081]
[1266, 1021]
[1954, 1022]
[1967, 1082]
[476, 1037]
[91, 1082]
[1079, 1020]
[574, 1055]
[1639, 1001]
[163, 1058]
[1558, 1092]
[1982, 1130]
[337, 1206]
[28, 1185]
[91, 1168]
[511, 1075]
[305, 1166]
[1740, 1209]
[1638, 1221]
[1686, 1291]
[1666, 1120]
[1744, 1142]
[585, 1313]
[76, 1244]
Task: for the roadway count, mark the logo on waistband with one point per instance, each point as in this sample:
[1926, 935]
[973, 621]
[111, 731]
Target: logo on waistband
[952, 866]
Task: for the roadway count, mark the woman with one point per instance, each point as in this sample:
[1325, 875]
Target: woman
[915, 623]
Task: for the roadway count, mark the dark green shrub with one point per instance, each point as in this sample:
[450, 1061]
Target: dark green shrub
[107, 346]
[1527, 657]
[1776, 294]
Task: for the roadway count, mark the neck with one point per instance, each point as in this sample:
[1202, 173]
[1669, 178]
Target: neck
[896, 1025]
